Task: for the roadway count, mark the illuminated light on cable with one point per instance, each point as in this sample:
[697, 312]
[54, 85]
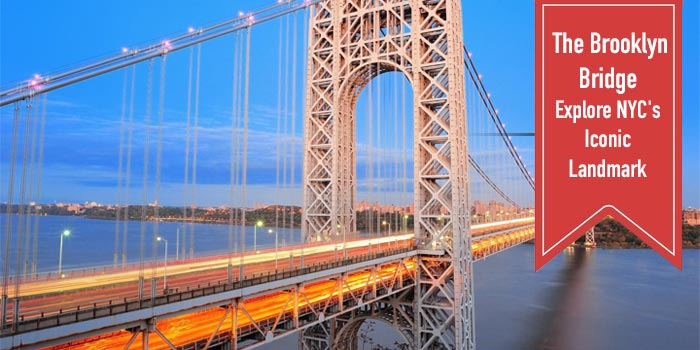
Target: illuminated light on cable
[488, 94]
[166, 46]
[469, 54]
[509, 138]
[240, 13]
[503, 125]
[190, 30]
[480, 76]
[496, 111]
[251, 18]
[34, 83]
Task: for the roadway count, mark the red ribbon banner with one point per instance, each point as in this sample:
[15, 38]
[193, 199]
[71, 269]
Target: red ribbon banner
[608, 122]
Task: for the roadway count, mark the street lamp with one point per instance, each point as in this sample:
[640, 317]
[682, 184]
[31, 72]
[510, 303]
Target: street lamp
[65, 233]
[259, 223]
[165, 264]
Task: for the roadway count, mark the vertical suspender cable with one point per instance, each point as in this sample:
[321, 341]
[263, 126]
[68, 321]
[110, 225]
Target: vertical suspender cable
[32, 169]
[278, 147]
[285, 118]
[8, 213]
[185, 183]
[232, 158]
[159, 151]
[292, 139]
[370, 151]
[127, 184]
[35, 243]
[378, 159]
[404, 151]
[244, 170]
[193, 193]
[307, 19]
[144, 179]
[239, 153]
[21, 204]
[120, 172]
[395, 151]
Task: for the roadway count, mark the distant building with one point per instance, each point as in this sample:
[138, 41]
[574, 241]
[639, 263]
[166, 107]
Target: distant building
[389, 208]
[75, 208]
[691, 216]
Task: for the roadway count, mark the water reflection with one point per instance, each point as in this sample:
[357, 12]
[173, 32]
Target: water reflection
[558, 327]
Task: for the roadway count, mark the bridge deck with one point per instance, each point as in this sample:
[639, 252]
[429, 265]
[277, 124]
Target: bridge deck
[192, 296]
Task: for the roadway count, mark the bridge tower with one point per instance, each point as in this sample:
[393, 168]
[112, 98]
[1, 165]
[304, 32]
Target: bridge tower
[351, 42]
[590, 237]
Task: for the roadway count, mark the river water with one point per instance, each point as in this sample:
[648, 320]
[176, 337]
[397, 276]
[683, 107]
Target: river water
[91, 242]
[582, 300]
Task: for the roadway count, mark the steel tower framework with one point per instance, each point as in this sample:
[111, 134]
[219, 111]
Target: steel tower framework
[351, 42]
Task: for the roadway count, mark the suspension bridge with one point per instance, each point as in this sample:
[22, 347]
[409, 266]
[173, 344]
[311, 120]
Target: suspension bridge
[403, 170]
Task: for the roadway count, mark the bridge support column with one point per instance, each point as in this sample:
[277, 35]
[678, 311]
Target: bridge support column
[234, 324]
[15, 313]
[141, 288]
[229, 273]
[145, 336]
[4, 310]
[296, 306]
[154, 286]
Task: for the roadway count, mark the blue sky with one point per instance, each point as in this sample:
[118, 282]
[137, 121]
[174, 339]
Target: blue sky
[83, 121]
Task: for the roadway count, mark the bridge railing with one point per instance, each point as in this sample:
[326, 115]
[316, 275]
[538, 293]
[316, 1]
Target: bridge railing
[42, 320]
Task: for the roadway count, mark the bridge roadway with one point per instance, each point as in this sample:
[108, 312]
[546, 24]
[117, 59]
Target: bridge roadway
[63, 301]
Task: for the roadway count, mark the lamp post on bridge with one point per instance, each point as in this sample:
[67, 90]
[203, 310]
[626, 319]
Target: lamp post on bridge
[165, 264]
[65, 233]
[259, 223]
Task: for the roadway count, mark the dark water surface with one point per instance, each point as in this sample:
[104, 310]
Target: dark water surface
[599, 299]
[588, 299]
